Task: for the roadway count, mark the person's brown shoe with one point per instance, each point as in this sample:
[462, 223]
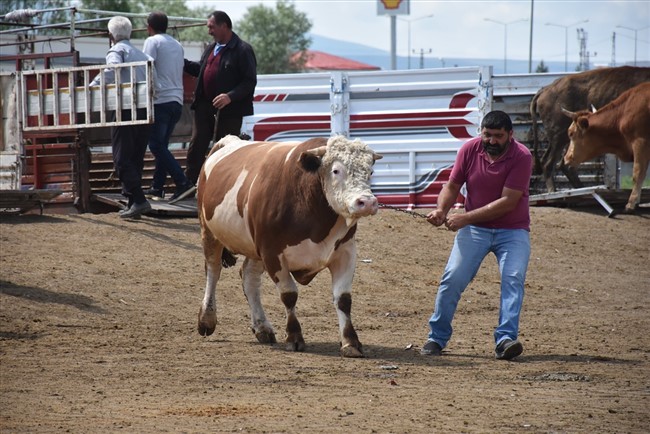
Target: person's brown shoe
[508, 349]
[431, 348]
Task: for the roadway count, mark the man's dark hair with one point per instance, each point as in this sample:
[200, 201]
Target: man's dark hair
[495, 120]
[158, 22]
[220, 17]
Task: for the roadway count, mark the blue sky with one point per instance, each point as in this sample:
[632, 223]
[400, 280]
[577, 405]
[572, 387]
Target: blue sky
[460, 28]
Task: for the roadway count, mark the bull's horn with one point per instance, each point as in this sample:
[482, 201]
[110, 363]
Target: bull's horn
[593, 109]
[317, 152]
[568, 113]
[376, 156]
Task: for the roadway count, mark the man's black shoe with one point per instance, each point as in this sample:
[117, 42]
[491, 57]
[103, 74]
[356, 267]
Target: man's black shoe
[154, 193]
[508, 349]
[431, 348]
[136, 210]
[182, 192]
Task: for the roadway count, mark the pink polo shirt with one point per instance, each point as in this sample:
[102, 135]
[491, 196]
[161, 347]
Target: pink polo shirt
[485, 180]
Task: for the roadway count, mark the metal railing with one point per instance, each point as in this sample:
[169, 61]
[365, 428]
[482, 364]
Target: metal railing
[62, 98]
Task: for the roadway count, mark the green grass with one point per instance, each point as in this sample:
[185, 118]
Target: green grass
[626, 182]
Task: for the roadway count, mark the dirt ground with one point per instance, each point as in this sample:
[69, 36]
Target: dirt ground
[98, 334]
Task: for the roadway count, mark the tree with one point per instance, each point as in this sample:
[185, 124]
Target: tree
[276, 34]
[541, 67]
[181, 30]
[62, 16]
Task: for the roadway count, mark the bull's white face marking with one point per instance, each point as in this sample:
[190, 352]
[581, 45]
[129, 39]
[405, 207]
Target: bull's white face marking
[345, 173]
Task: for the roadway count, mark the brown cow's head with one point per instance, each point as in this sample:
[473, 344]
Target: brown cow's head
[345, 167]
[578, 151]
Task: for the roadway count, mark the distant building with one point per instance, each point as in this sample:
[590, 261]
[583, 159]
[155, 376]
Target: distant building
[317, 61]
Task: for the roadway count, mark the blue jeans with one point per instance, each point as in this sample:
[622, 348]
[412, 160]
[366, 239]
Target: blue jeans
[166, 117]
[472, 243]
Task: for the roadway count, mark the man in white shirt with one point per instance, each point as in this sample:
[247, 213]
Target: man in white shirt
[167, 54]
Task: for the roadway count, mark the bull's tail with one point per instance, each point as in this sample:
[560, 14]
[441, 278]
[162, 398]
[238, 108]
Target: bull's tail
[533, 118]
[227, 258]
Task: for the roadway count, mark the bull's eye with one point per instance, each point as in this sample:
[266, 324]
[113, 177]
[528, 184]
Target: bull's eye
[335, 171]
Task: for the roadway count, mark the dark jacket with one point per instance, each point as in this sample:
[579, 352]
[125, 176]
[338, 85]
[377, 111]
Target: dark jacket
[237, 76]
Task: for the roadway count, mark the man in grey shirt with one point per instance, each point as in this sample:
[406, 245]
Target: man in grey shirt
[168, 56]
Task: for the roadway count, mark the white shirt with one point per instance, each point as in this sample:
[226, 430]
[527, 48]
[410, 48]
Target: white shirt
[168, 55]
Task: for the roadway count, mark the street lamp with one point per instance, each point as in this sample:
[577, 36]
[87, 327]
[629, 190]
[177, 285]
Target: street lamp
[505, 39]
[409, 33]
[566, 40]
[635, 31]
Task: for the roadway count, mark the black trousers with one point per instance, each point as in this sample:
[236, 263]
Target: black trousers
[202, 134]
[129, 144]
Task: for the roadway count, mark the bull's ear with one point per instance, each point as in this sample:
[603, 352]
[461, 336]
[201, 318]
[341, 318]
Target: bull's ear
[570, 114]
[311, 160]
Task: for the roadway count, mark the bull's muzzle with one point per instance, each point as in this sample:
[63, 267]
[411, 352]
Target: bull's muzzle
[365, 205]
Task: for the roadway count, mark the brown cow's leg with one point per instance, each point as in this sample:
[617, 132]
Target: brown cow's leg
[638, 175]
[251, 273]
[572, 175]
[208, 313]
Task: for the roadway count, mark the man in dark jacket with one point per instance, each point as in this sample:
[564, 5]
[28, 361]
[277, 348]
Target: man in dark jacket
[227, 75]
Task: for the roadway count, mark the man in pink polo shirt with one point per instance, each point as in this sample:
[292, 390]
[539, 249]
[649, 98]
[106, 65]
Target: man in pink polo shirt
[496, 170]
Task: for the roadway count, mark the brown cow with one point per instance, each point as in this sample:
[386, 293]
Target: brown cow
[622, 127]
[575, 92]
[291, 209]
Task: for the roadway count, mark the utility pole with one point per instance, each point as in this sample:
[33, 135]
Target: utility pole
[422, 56]
[613, 49]
[584, 54]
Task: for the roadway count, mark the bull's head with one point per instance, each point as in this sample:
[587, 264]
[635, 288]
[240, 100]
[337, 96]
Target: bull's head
[578, 150]
[345, 167]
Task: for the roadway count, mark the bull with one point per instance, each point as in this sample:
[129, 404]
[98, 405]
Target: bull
[291, 209]
[621, 127]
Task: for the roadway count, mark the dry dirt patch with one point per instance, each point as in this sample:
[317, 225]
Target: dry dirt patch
[98, 334]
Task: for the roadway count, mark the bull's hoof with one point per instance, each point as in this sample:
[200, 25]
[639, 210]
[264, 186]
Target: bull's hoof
[298, 346]
[205, 330]
[207, 323]
[265, 336]
[350, 351]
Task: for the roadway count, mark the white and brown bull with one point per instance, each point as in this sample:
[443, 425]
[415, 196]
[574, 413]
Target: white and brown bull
[621, 127]
[291, 209]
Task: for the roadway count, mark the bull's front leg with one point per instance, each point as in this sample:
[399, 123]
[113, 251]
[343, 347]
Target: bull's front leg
[251, 274]
[208, 312]
[342, 270]
[289, 296]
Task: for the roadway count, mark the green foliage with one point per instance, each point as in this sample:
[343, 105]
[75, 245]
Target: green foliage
[626, 182]
[276, 34]
[63, 16]
[541, 67]
[181, 30]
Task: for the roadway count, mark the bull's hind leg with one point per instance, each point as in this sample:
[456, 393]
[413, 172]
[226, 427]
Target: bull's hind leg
[212, 250]
[251, 274]
[342, 270]
[639, 170]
